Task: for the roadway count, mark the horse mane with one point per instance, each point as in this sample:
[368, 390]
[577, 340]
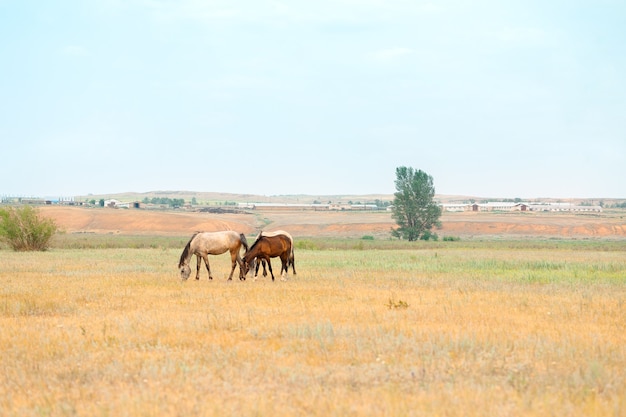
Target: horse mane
[185, 253]
[244, 241]
[257, 240]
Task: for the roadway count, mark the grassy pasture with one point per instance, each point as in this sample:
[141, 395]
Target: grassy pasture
[365, 328]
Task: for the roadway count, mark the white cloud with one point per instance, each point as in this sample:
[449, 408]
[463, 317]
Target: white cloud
[389, 54]
[198, 10]
[75, 50]
[280, 10]
[531, 36]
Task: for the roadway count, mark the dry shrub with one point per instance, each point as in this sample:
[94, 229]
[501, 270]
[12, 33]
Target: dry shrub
[24, 230]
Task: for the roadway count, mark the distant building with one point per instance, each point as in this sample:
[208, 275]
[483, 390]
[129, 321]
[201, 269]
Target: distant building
[456, 207]
[112, 203]
[283, 206]
[313, 207]
[510, 206]
[556, 207]
[364, 207]
[33, 201]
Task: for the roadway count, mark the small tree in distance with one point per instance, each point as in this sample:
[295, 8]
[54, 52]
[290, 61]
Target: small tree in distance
[24, 230]
[414, 209]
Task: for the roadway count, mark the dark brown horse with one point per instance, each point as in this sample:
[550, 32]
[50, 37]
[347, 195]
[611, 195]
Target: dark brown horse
[203, 244]
[266, 247]
[254, 264]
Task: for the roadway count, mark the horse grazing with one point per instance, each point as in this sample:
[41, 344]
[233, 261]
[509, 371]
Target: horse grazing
[266, 247]
[255, 264]
[203, 244]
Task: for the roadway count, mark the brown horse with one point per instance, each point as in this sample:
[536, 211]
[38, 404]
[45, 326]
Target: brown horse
[203, 244]
[254, 265]
[266, 247]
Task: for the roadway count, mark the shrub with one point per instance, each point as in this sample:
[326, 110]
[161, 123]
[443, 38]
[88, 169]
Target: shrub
[428, 235]
[396, 305]
[24, 230]
[307, 244]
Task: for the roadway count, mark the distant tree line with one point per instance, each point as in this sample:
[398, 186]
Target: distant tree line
[378, 203]
[165, 201]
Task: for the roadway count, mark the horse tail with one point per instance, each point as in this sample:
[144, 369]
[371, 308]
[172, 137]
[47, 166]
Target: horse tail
[185, 253]
[244, 241]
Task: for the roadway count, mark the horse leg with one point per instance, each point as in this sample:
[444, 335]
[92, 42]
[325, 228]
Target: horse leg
[292, 261]
[198, 264]
[257, 263]
[269, 265]
[284, 267]
[242, 276]
[233, 260]
[208, 268]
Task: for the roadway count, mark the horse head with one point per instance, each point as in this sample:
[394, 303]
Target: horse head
[252, 265]
[185, 271]
[245, 266]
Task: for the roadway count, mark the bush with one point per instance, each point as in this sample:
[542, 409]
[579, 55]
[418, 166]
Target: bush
[24, 230]
[307, 244]
[428, 235]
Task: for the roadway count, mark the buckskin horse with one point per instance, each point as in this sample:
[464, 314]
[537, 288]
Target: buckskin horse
[203, 244]
[254, 264]
[266, 247]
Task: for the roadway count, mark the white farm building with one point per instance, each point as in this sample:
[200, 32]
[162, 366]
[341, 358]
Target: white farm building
[510, 206]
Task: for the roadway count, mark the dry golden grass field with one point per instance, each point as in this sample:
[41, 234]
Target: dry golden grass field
[101, 325]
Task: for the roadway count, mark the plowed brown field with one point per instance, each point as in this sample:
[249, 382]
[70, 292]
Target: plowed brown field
[611, 225]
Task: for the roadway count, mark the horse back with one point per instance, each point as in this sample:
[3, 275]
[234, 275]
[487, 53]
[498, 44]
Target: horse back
[282, 244]
[278, 233]
[216, 243]
[270, 246]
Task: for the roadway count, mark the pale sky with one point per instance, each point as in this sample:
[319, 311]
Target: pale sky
[492, 98]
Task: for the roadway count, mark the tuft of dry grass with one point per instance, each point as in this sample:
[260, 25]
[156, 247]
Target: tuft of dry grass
[473, 331]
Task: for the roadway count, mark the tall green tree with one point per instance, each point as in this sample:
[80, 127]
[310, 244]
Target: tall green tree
[414, 208]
